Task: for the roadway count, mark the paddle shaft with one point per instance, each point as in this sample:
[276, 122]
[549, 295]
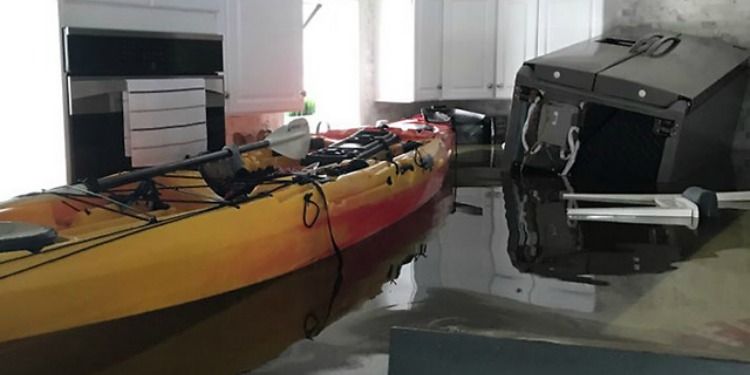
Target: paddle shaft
[106, 183]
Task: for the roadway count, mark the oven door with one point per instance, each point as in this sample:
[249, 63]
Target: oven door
[94, 128]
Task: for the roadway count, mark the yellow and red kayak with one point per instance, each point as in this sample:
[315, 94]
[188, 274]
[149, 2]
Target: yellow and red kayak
[113, 257]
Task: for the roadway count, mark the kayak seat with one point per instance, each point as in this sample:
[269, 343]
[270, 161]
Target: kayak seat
[15, 236]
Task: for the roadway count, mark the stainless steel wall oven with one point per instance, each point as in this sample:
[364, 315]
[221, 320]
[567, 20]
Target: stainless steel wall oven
[97, 64]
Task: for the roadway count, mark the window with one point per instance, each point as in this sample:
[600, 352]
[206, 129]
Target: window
[331, 62]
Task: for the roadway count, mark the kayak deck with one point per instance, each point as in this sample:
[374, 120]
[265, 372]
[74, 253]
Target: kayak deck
[108, 264]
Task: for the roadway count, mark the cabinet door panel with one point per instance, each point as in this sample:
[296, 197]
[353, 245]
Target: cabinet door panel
[429, 49]
[566, 22]
[164, 16]
[263, 55]
[469, 49]
[394, 51]
[137, 3]
[212, 6]
[517, 41]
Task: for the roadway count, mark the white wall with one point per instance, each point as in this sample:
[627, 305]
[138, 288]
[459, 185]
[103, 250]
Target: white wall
[32, 146]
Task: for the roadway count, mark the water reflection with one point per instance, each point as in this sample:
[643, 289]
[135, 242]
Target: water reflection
[241, 330]
[482, 246]
[620, 283]
[507, 260]
[544, 241]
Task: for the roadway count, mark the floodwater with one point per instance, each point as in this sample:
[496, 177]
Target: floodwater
[487, 255]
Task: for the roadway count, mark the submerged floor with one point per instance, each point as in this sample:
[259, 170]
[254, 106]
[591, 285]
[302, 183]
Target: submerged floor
[507, 260]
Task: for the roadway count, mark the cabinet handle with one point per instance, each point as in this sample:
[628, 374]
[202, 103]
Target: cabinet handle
[303, 93]
[490, 86]
[499, 86]
[440, 86]
[226, 95]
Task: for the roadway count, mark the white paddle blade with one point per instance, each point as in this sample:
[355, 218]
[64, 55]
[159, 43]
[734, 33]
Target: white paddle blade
[291, 140]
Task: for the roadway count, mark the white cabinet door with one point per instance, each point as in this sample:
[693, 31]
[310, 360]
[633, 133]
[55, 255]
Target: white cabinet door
[206, 5]
[429, 49]
[516, 41]
[394, 51]
[142, 3]
[566, 22]
[263, 55]
[408, 50]
[469, 48]
[188, 16]
[199, 5]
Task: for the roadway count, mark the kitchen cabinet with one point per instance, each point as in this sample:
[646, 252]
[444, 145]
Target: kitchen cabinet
[469, 34]
[194, 5]
[262, 41]
[477, 49]
[189, 16]
[566, 22]
[429, 49]
[263, 55]
[408, 50]
[417, 43]
[198, 5]
[516, 41]
[143, 3]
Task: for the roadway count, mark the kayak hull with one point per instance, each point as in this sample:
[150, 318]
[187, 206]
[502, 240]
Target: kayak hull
[146, 267]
